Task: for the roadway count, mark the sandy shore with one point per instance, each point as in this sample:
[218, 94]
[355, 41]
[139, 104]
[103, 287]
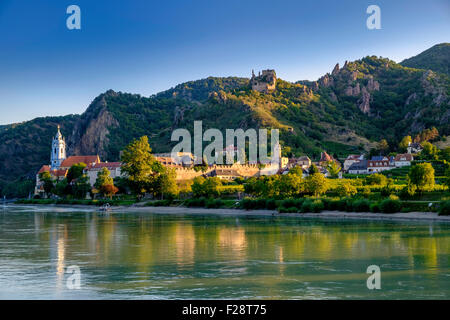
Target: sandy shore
[409, 216]
[324, 214]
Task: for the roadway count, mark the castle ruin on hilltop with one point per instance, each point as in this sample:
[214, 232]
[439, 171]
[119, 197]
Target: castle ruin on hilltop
[264, 82]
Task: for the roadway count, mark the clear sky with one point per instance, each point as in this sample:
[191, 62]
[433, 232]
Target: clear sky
[146, 46]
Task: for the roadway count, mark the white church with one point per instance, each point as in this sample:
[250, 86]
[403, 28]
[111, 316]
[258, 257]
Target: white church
[60, 164]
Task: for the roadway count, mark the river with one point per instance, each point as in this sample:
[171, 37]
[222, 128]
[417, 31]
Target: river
[129, 255]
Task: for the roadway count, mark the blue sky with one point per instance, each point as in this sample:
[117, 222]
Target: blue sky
[148, 46]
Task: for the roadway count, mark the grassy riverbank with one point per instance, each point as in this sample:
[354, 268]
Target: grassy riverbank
[300, 205]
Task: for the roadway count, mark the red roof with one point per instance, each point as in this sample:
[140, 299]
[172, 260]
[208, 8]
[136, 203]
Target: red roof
[59, 173]
[44, 168]
[109, 165]
[70, 161]
[404, 157]
[380, 163]
[325, 157]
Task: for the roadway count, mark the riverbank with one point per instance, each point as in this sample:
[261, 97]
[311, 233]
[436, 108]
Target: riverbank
[400, 216]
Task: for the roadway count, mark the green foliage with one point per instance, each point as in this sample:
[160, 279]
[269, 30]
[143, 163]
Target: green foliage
[421, 175]
[139, 165]
[75, 171]
[333, 168]
[361, 205]
[390, 206]
[444, 209]
[48, 182]
[316, 184]
[206, 187]
[376, 179]
[436, 58]
[81, 187]
[346, 189]
[404, 143]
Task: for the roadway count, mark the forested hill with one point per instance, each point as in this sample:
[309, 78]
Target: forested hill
[437, 59]
[346, 111]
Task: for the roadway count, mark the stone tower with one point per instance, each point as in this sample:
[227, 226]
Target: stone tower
[58, 150]
[264, 82]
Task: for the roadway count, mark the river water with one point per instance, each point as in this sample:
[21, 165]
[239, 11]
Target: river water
[126, 255]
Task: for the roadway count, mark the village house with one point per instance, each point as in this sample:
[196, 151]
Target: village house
[359, 167]
[351, 159]
[304, 162]
[92, 170]
[403, 159]
[325, 159]
[374, 166]
[414, 148]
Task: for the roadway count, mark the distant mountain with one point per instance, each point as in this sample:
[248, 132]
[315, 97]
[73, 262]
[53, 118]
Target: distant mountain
[345, 111]
[437, 59]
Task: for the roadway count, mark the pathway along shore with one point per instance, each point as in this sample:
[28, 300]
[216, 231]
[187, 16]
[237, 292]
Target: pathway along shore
[408, 216]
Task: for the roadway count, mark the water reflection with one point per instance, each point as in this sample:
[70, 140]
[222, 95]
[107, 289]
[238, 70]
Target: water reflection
[178, 256]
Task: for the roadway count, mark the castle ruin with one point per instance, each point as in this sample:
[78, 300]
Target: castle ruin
[264, 82]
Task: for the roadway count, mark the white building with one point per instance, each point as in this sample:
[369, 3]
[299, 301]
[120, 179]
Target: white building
[93, 170]
[402, 160]
[351, 159]
[58, 154]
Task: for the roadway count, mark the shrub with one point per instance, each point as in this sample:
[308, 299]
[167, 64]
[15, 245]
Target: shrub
[341, 205]
[362, 205]
[288, 203]
[307, 206]
[247, 204]
[374, 207]
[260, 204]
[444, 209]
[271, 204]
[283, 210]
[317, 206]
[214, 203]
[390, 206]
[292, 210]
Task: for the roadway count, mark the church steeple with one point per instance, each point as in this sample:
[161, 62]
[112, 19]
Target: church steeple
[58, 150]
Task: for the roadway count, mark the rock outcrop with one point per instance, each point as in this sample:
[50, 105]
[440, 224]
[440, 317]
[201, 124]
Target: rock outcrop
[90, 132]
[364, 101]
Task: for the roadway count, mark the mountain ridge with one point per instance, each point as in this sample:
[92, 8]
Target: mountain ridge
[345, 111]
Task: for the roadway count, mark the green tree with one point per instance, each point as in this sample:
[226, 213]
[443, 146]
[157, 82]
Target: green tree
[447, 178]
[166, 183]
[81, 187]
[376, 179]
[429, 151]
[62, 188]
[103, 178]
[333, 168]
[404, 143]
[383, 146]
[289, 185]
[46, 178]
[317, 184]
[421, 175]
[313, 169]
[206, 187]
[140, 166]
[75, 171]
[346, 189]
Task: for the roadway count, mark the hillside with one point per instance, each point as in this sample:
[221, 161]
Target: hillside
[345, 111]
[437, 59]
